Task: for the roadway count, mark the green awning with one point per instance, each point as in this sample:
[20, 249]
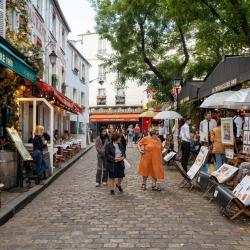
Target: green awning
[12, 61]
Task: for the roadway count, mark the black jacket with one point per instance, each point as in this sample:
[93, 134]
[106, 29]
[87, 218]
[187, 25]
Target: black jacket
[38, 143]
[110, 155]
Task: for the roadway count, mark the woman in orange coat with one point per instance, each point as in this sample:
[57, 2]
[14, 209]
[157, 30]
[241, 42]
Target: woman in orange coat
[151, 165]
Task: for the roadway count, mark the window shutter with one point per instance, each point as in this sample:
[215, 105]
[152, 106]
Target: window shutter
[2, 17]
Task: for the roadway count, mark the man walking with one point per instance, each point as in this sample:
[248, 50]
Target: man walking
[137, 132]
[185, 144]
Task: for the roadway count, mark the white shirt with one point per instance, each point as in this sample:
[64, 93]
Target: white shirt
[212, 124]
[238, 122]
[185, 133]
[161, 130]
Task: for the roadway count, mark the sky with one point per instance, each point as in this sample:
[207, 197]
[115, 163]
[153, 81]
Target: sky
[79, 15]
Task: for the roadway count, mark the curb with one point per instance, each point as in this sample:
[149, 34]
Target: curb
[21, 201]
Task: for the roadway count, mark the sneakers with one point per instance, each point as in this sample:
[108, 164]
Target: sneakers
[97, 184]
[104, 183]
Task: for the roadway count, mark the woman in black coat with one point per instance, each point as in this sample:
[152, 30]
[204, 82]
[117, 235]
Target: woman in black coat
[115, 154]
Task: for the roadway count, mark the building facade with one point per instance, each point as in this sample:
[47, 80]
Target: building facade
[109, 103]
[77, 89]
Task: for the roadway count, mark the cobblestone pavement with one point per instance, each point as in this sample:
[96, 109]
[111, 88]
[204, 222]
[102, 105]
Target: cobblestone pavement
[73, 214]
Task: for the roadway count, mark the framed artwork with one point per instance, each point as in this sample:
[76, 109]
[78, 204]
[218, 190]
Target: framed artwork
[245, 137]
[242, 191]
[246, 149]
[227, 135]
[224, 173]
[229, 152]
[199, 162]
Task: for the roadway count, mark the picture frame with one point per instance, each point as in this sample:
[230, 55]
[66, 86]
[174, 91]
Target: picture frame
[246, 123]
[227, 135]
[203, 131]
[229, 153]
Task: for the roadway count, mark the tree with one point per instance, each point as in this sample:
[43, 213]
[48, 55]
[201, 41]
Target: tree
[150, 44]
[156, 40]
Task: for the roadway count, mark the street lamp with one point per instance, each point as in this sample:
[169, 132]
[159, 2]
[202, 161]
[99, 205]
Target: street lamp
[177, 86]
[52, 58]
[101, 82]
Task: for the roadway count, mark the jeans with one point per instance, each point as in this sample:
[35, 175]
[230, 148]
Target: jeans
[41, 165]
[101, 173]
[220, 159]
[185, 148]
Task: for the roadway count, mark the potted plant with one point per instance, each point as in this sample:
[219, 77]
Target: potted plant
[64, 87]
[54, 80]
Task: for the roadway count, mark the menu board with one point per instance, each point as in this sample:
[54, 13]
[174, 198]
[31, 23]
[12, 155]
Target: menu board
[19, 144]
[246, 136]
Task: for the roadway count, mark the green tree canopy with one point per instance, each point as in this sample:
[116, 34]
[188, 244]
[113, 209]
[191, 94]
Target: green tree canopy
[156, 40]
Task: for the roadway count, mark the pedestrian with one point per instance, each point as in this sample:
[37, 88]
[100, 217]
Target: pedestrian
[161, 131]
[130, 132]
[137, 132]
[151, 165]
[101, 173]
[115, 155]
[39, 144]
[122, 131]
[185, 143]
[110, 130]
[218, 147]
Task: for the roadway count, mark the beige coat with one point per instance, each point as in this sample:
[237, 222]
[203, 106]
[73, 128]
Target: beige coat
[218, 147]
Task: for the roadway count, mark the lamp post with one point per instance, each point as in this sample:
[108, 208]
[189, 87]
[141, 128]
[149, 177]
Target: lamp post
[177, 84]
[52, 58]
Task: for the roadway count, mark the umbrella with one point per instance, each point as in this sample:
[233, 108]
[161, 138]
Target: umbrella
[217, 100]
[147, 114]
[167, 115]
[239, 100]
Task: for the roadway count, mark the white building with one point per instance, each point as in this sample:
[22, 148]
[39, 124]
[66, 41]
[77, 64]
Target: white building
[77, 78]
[109, 103]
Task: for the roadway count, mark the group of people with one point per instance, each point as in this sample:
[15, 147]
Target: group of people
[111, 156]
[213, 139]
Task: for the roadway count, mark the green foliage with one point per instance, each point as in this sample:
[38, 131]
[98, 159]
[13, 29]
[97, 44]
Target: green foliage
[54, 80]
[156, 40]
[64, 87]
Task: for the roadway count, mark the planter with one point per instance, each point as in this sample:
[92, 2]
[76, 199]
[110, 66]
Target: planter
[8, 169]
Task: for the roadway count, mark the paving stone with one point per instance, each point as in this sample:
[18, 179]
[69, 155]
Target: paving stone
[73, 214]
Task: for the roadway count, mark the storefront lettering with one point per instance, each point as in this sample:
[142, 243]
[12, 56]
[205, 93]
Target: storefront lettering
[6, 60]
[225, 85]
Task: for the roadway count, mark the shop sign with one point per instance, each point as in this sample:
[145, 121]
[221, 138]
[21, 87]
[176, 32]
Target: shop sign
[224, 85]
[16, 64]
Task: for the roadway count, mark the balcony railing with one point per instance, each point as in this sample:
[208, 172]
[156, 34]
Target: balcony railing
[101, 100]
[119, 100]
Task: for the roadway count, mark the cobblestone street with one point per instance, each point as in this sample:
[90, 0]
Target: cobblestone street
[73, 214]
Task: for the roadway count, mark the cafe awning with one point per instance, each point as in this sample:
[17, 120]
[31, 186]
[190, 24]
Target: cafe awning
[114, 118]
[190, 91]
[15, 61]
[231, 71]
[58, 99]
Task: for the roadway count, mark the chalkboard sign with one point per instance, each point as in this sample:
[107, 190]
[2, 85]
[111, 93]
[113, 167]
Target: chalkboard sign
[19, 144]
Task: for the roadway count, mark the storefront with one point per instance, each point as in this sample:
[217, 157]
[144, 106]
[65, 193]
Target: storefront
[232, 73]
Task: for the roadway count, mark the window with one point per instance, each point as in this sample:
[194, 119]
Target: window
[63, 39]
[120, 92]
[82, 76]
[101, 73]
[2, 17]
[101, 92]
[102, 43]
[54, 23]
[39, 6]
[82, 99]
[74, 95]
[75, 62]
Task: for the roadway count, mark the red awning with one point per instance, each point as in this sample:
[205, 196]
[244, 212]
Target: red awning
[57, 98]
[114, 118]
